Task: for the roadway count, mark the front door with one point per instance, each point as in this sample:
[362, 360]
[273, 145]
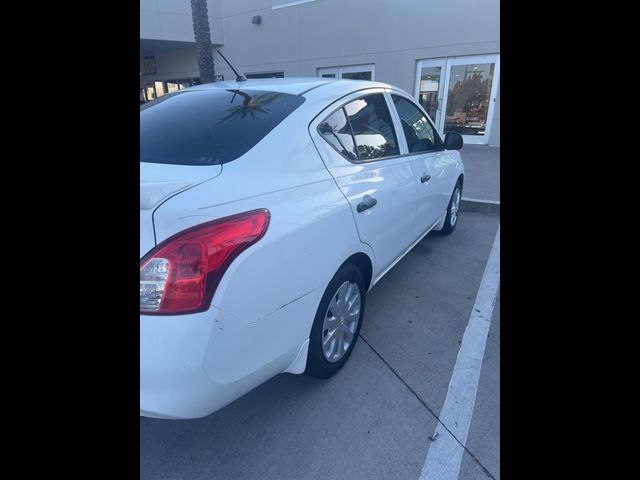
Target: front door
[459, 94]
[431, 164]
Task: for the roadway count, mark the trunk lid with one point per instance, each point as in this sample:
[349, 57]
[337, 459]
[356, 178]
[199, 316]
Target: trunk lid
[159, 182]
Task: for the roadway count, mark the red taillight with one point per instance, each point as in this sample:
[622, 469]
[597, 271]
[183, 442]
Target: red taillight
[182, 273]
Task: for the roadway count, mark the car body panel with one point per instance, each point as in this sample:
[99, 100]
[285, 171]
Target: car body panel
[387, 227]
[261, 314]
[193, 365]
[443, 167]
[433, 195]
[160, 181]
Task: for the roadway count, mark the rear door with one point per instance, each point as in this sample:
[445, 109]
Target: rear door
[357, 141]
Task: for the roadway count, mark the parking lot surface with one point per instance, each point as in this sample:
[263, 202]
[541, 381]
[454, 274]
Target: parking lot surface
[376, 417]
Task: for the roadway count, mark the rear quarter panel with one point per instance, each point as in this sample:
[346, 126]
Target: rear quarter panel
[272, 289]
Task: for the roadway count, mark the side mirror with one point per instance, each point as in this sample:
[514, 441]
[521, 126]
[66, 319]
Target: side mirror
[453, 141]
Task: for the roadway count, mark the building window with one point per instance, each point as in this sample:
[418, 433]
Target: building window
[265, 75]
[152, 90]
[353, 72]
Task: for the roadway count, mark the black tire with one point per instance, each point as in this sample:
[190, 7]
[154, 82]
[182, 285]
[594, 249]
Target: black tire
[448, 225]
[317, 364]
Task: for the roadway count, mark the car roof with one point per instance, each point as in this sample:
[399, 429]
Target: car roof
[292, 85]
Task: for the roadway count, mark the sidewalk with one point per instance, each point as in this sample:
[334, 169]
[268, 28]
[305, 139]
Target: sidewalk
[482, 172]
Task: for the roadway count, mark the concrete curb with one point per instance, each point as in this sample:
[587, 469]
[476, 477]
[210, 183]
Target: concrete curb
[482, 206]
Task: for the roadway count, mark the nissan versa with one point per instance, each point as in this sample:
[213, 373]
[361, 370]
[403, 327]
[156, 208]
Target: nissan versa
[268, 209]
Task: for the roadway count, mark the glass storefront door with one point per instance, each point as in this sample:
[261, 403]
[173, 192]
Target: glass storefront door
[459, 94]
[430, 87]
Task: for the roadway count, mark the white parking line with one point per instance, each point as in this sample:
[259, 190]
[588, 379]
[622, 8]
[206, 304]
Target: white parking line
[445, 453]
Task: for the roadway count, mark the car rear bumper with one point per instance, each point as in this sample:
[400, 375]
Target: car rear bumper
[173, 383]
[184, 373]
[192, 365]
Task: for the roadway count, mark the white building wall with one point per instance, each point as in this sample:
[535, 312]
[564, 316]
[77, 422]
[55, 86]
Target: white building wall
[171, 20]
[392, 34]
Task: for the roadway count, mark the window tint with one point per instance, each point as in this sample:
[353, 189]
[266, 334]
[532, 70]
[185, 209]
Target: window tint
[336, 131]
[209, 127]
[372, 127]
[419, 133]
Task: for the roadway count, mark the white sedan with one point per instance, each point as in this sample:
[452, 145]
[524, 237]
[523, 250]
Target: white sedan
[268, 209]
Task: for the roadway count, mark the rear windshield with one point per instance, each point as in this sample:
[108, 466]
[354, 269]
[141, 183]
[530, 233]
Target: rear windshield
[209, 127]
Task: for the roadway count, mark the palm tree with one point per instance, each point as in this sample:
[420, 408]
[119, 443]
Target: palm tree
[202, 35]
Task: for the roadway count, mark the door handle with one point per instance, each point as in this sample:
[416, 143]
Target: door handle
[425, 178]
[367, 203]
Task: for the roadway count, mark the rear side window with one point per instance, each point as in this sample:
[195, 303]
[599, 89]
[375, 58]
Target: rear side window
[335, 130]
[209, 127]
[362, 130]
[420, 135]
[372, 127]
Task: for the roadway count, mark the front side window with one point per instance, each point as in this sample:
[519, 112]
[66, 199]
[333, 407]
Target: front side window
[372, 127]
[418, 132]
[209, 127]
